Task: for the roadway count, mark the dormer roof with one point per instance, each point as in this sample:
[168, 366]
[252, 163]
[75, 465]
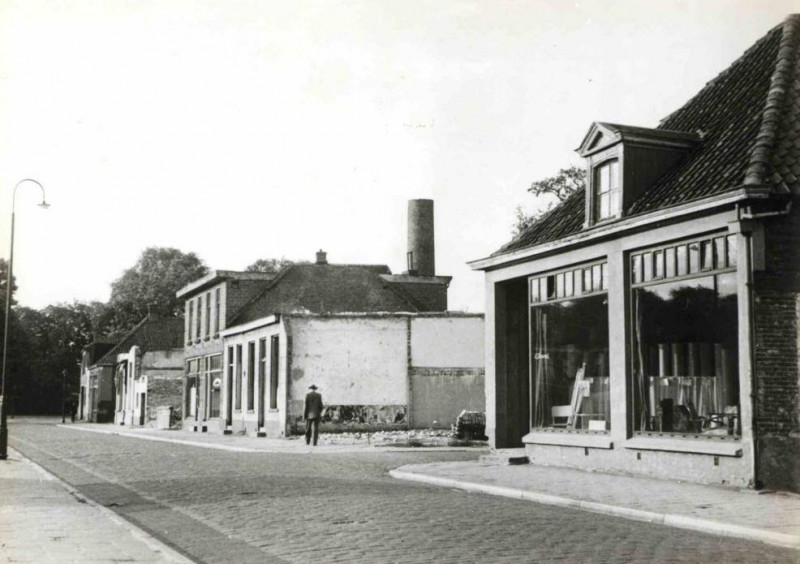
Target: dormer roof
[602, 135]
[748, 122]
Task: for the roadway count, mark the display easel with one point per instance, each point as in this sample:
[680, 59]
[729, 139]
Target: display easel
[578, 393]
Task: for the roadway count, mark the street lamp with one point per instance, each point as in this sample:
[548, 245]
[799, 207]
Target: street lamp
[3, 406]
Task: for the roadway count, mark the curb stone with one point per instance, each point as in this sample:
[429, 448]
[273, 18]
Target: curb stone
[140, 534]
[668, 519]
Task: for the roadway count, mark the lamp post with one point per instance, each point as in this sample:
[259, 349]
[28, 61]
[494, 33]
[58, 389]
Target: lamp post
[3, 406]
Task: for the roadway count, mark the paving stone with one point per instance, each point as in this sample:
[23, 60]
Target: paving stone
[223, 506]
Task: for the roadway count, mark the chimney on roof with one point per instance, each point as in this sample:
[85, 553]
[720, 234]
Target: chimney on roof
[322, 257]
[420, 254]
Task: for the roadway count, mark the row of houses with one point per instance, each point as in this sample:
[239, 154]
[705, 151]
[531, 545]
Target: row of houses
[647, 325]
[382, 348]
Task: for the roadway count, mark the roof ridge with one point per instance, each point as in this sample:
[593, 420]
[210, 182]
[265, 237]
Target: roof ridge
[759, 163]
[727, 70]
[128, 335]
[258, 295]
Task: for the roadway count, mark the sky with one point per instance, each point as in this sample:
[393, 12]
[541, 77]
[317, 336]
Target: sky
[241, 130]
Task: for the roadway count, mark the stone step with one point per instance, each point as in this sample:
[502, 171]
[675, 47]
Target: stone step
[505, 457]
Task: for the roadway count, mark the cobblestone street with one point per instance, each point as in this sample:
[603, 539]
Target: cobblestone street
[217, 506]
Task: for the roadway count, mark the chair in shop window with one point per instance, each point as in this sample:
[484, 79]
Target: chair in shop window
[562, 415]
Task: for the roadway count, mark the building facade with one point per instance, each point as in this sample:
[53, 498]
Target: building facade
[211, 304]
[649, 324]
[376, 371]
[96, 400]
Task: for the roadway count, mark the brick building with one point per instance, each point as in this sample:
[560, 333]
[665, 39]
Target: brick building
[145, 370]
[212, 302]
[649, 324]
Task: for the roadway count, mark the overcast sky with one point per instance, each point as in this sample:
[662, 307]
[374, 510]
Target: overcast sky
[241, 130]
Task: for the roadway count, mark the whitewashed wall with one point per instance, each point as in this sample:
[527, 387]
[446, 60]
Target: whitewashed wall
[352, 360]
[447, 341]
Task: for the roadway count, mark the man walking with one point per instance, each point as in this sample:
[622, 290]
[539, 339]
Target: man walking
[312, 414]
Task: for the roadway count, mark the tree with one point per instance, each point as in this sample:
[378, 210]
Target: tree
[49, 342]
[554, 190]
[271, 264]
[153, 281]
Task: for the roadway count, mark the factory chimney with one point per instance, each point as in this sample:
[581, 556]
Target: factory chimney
[420, 256]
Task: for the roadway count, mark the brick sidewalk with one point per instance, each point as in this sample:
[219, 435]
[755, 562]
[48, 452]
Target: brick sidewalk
[773, 518]
[42, 519]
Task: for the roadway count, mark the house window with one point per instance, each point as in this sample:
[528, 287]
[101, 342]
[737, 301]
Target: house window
[569, 353]
[237, 380]
[218, 298]
[273, 372]
[213, 383]
[189, 320]
[607, 190]
[262, 372]
[197, 324]
[251, 375]
[207, 323]
[685, 346]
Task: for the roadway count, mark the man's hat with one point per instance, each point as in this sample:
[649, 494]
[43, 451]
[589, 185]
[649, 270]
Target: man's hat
[312, 387]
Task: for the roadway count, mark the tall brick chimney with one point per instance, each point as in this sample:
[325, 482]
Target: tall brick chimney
[421, 261]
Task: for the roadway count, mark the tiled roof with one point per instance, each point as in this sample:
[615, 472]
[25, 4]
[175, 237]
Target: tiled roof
[749, 120]
[327, 288]
[151, 334]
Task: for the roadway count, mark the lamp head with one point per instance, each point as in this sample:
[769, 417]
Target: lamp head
[44, 205]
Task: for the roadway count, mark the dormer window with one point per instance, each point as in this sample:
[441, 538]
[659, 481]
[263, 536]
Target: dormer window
[607, 190]
[623, 162]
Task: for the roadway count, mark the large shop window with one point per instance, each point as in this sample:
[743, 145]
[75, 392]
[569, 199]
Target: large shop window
[569, 350]
[685, 341]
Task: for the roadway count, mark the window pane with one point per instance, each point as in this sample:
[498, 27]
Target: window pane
[535, 290]
[551, 287]
[560, 285]
[732, 249]
[597, 278]
[568, 290]
[719, 251]
[669, 262]
[570, 354]
[587, 280]
[685, 361]
[604, 178]
[543, 289]
[613, 177]
[605, 202]
[604, 274]
[707, 255]
[658, 264]
[647, 266]
[694, 257]
[637, 268]
[682, 260]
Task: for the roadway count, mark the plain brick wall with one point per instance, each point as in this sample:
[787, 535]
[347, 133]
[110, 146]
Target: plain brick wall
[776, 307]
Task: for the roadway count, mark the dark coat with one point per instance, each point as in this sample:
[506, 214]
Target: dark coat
[313, 407]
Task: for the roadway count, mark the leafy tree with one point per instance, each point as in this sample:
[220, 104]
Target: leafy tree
[50, 342]
[553, 190]
[272, 264]
[153, 281]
